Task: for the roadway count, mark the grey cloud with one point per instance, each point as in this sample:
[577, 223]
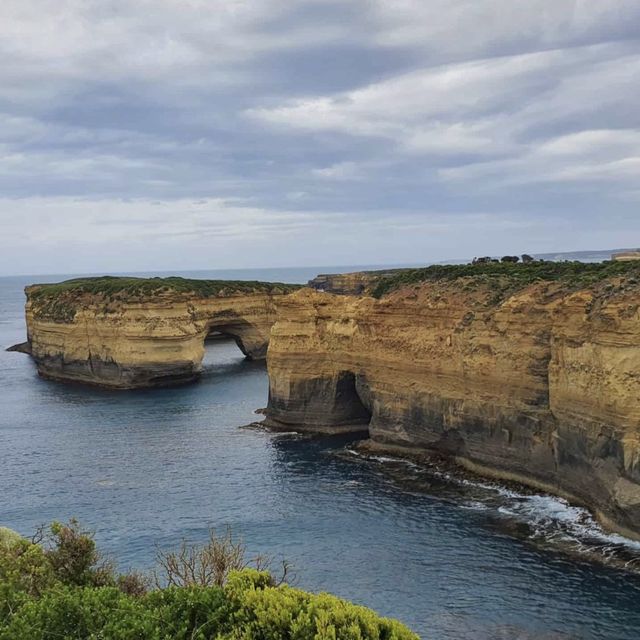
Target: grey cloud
[424, 129]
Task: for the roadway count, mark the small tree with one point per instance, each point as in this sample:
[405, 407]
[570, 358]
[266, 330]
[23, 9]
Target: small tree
[512, 259]
[71, 552]
[208, 565]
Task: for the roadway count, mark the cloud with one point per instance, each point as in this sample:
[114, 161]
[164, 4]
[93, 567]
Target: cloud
[591, 158]
[339, 171]
[331, 131]
[105, 235]
[507, 115]
[486, 105]
[476, 28]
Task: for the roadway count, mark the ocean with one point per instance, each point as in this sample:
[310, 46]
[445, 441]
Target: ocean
[453, 557]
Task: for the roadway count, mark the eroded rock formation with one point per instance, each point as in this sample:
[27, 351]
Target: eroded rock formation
[539, 384]
[523, 372]
[354, 283]
[122, 337]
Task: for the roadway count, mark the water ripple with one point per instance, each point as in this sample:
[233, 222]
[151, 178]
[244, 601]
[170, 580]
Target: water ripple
[453, 558]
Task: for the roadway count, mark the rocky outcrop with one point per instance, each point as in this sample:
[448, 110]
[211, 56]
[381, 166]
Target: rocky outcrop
[523, 372]
[355, 283]
[625, 256]
[539, 383]
[119, 336]
[22, 347]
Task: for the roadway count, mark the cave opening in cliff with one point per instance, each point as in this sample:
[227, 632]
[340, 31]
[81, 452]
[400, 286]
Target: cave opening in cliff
[352, 399]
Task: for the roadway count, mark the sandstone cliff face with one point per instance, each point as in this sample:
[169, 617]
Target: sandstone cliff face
[354, 283]
[144, 341]
[541, 385]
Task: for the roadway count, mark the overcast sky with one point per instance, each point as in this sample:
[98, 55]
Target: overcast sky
[178, 134]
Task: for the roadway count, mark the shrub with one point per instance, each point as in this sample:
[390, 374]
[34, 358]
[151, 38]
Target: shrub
[73, 556]
[24, 574]
[53, 590]
[190, 613]
[73, 612]
[9, 538]
[260, 612]
[247, 608]
[209, 564]
[133, 584]
[204, 566]
[25, 565]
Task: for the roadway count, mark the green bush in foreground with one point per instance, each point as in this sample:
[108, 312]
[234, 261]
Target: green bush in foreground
[59, 587]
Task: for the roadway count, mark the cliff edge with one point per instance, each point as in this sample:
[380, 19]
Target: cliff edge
[528, 372]
[524, 372]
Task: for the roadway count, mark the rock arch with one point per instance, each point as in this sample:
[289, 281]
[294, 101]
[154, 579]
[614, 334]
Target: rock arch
[246, 335]
[146, 342]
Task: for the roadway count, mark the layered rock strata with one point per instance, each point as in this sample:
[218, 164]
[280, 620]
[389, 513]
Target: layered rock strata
[354, 283]
[511, 373]
[128, 340]
[540, 384]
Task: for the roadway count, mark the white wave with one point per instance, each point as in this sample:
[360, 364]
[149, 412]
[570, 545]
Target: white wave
[550, 517]
[475, 505]
[546, 512]
[402, 461]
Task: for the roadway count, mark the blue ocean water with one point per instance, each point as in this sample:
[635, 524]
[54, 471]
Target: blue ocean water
[453, 557]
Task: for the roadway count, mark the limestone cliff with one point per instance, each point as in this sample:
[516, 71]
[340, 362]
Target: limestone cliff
[528, 372]
[127, 333]
[354, 283]
[532, 380]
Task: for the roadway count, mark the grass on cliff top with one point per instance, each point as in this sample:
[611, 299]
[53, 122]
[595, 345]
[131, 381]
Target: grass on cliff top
[110, 285]
[59, 301]
[573, 274]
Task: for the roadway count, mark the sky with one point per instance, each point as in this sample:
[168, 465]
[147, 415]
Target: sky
[201, 134]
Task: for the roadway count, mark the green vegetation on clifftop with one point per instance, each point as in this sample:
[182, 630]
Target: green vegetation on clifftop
[60, 301]
[62, 588]
[573, 274]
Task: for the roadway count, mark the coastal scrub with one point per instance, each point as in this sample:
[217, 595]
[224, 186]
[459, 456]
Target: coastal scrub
[59, 586]
[510, 275]
[60, 301]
